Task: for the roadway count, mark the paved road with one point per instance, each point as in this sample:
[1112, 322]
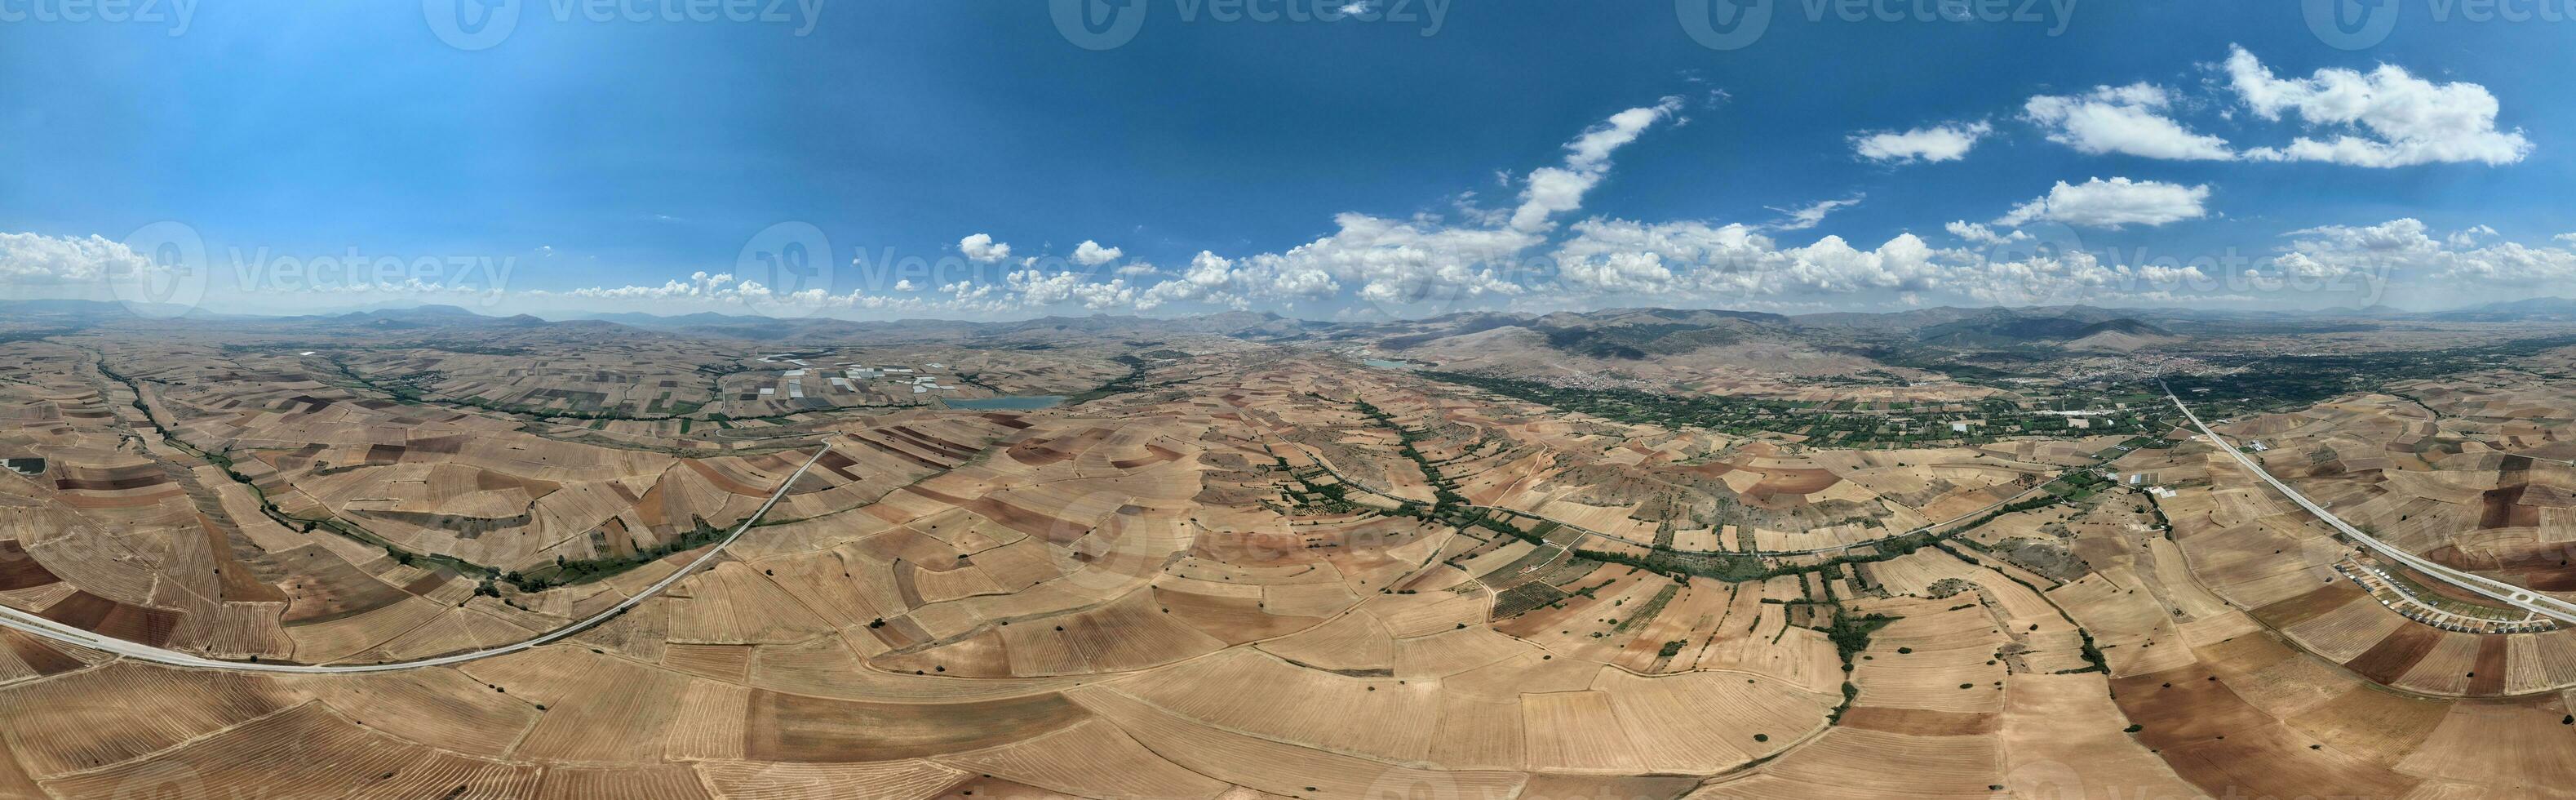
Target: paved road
[56, 631]
[2499, 591]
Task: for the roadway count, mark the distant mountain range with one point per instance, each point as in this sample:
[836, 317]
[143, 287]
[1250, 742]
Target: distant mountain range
[2537, 309]
[1616, 334]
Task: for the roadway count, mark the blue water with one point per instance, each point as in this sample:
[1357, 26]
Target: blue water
[1388, 364]
[1029, 402]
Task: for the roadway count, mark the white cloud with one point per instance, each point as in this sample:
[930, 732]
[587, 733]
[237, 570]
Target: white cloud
[35, 259]
[1041, 289]
[1138, 270]
[1389, 262]
[1552, 190]
[1810, 216]
[981, 247]
[2407, 120]
[2469, 236]
[1210, 279]
[2112, 203]
[1091, 254]
[1977, 234]
[2069, 276]
[1425, 259]
[2406, 246]
[2128, 119]
[2510, 264]
[1739, 267]
[1948, 142]
[1701, 260]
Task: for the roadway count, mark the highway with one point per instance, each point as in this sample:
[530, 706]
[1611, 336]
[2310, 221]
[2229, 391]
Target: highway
[2499, 591]
[49, 629]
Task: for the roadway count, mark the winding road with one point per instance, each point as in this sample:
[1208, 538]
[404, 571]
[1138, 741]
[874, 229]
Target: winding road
[2499, 591]
[49, 629]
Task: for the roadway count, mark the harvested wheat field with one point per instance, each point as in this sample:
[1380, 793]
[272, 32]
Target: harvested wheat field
[1234, 570]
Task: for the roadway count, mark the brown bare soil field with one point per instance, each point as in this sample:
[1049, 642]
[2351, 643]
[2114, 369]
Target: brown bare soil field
[1241, 571]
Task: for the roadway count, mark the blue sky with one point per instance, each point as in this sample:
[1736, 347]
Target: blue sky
[597, 157]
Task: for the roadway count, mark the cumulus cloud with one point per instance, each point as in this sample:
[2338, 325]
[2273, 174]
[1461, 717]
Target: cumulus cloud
[2130, 120]
[2510, 264]
[2075, 276]
[1977, 234]
[1426, 259]
[1531, 251]
[1387, 261]
[2384, 118]
[981, 248]
[1553, 190]
[1091, 254]
[1739, 266]
[2407, 246]
[2112, 203]
[1948, 142]
[29, 259]
[1210, 279]
[1810, 216]
[1040, 289]
[1701, 259]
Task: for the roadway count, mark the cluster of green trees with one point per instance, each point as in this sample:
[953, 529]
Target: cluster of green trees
[1830, 424]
